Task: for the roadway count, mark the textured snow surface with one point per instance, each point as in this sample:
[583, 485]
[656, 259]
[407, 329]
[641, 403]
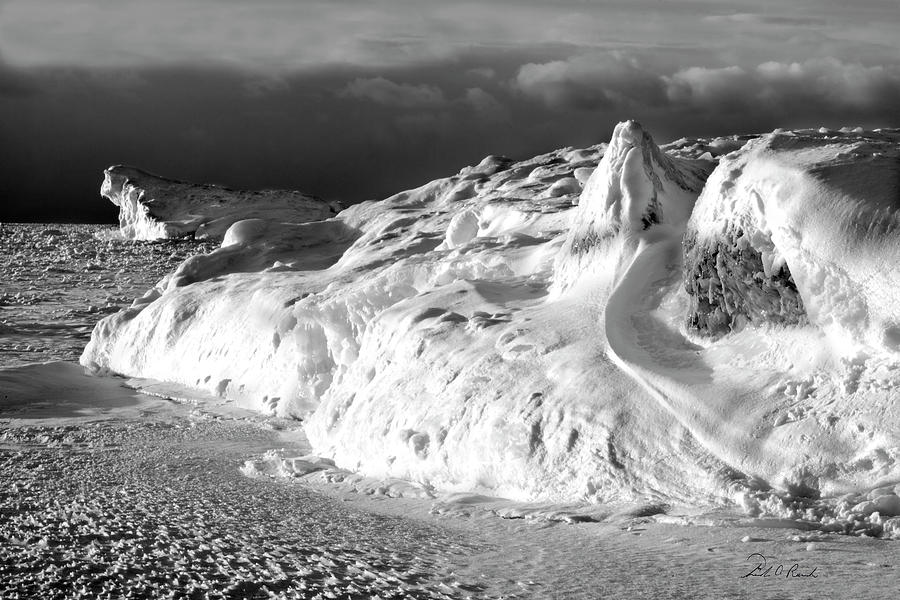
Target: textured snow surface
[501, 330]
[108, 493]
[60, 279]
[153, 207]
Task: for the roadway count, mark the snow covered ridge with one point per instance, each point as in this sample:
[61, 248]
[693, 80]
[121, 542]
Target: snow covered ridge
[153, 207]
[504, 329]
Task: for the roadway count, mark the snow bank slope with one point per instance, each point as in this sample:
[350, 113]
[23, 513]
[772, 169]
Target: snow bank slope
[301, 297]
[801, 225]
[497, 330]
[152, 207]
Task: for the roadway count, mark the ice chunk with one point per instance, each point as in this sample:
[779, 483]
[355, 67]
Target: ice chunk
[462, 229]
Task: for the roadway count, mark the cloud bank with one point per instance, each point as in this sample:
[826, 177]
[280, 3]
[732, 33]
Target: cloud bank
[290, 35]
[825, 83]
[357, 99]
[617, 81]
[602, 81]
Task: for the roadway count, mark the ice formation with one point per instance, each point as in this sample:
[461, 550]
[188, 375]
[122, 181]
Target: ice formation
[504, 330]
[801, 225]
[153, 207]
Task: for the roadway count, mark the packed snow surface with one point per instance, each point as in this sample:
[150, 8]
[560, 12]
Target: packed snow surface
[153, 207]
[708, 323]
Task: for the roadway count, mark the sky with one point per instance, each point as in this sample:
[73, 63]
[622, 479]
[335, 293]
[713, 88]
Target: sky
[359, 99]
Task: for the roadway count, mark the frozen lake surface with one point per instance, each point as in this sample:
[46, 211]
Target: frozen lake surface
[59, 279]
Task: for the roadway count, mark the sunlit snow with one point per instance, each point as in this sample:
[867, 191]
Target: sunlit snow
[656, 336]
[152, 207]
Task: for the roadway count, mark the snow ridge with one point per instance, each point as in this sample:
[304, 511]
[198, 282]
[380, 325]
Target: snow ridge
[646, 338]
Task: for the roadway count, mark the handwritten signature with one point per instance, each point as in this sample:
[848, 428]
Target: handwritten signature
[762, 568]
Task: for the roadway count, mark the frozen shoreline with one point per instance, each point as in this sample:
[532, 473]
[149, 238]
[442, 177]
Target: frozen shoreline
[129, 493]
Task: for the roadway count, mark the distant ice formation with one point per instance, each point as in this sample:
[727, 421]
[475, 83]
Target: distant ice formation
[655, 336]
[153, 207]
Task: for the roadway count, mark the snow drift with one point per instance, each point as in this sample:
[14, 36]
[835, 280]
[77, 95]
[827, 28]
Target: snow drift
[153, 207]
[504, 330]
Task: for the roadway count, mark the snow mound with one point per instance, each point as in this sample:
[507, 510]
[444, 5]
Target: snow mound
[153, 207]
[499, 331]
[302, 296]
[637, 187]
[796, 226]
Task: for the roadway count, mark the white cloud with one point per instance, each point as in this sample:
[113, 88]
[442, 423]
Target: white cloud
[761, 19]
[412, 99]
[822, 83]
[275, 35]
[482, 72]
[618, 81]
[292, 35]
[388, 93]
[702, 85]
[485, 105]
[265, 84]
[609, 80]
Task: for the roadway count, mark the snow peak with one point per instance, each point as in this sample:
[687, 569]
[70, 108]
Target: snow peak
[761, 568]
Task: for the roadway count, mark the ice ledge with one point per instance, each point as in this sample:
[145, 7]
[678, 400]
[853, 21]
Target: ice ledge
[154, 207]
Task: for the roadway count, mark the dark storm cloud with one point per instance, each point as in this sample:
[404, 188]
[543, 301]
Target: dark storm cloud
[15, 82]
[302, 131]
[361, 133]
[357, 99]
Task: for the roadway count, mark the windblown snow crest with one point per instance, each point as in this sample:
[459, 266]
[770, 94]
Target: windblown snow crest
[505, 330]
[153, 207]
[797, 225]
